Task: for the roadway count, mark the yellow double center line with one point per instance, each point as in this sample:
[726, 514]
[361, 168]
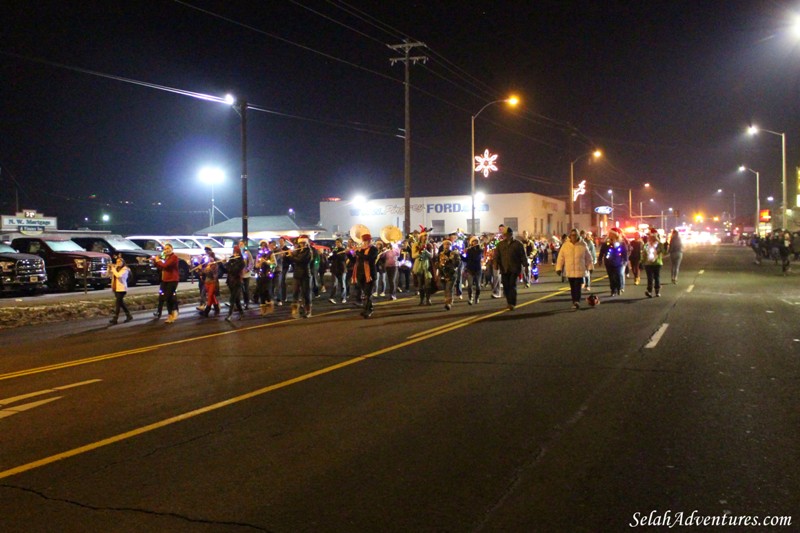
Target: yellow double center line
[414, 339]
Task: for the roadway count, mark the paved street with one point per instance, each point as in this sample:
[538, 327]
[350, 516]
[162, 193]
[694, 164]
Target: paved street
[418, 419]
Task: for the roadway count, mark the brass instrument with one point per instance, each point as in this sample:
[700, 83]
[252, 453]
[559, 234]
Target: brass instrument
[357, 231]
[290, 250]
[203, 265]
[391, 234]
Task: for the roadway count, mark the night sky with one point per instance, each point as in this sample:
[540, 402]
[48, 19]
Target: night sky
[665, 89]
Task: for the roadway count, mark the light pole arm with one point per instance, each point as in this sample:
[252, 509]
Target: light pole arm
[487, 105]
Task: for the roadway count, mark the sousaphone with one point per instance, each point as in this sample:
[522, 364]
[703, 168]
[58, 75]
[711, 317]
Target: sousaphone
[357, 231]
[391, 234]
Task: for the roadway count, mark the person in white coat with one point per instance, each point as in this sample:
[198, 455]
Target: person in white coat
[574, 260]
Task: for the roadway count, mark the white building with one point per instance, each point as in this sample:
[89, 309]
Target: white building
[539, 215]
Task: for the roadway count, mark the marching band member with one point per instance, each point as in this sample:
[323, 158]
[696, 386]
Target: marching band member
[197, 271]
[458, 239]
[167, 263]
[380, 266]
[351, 289]
[391, 257]
[265, 273]
[422, 268]
[404, 267]
[527, 242]
[249, 263]
[301, 258]
[277, 273]
[235, 268]
[287, 263]
[365, 272]
[501, 230]
[119, 286]
[473, 267]
[338, 264]
[448, 266]
[210, 271]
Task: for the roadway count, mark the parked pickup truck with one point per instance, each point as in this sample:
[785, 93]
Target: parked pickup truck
[20, 272]
[67, 264]
[137, 259]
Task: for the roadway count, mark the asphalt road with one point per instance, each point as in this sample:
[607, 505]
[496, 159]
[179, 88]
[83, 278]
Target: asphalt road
[418, 419]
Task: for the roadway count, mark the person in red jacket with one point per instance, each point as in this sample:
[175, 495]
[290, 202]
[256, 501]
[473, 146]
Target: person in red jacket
[167, 263]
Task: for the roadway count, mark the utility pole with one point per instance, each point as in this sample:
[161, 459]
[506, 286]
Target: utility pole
[241, 108]
[407, 59]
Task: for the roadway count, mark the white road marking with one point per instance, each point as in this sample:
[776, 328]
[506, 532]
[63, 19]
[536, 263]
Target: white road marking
[10, 411]
[14, 399]
[657, 336]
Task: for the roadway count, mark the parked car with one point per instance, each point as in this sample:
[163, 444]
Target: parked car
[21, 272]
[187, 256]
[229, 242]
[199, 242]
[66, 262]
[137, 259]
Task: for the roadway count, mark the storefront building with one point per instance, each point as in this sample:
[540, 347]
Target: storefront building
[539, 215]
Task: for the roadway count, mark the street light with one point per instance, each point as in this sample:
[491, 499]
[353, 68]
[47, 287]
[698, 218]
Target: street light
[212, 176]
[596, 154]
[742, 168]
[752, 130]
[512, 101]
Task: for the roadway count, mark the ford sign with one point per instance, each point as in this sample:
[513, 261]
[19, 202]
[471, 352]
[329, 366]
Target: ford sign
[604, 210]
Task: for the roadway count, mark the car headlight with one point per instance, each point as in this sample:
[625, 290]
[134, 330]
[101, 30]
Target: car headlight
[80, 263]
[6, 266]
[142, 260]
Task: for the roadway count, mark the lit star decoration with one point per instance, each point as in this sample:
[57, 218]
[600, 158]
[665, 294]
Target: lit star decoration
[486, 163]
[579, 190]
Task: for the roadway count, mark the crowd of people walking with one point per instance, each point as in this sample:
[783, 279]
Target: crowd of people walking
[360, 272]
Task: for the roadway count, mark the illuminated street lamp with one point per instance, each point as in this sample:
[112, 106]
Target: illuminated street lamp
[512, 101]
[212, 176]
[752, 130]
[596, 154]
[742, 168]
